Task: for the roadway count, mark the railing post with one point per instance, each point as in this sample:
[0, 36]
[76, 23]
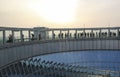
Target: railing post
[53, 35]
[68, 34]
[109, 33]
[100, 34]
[4, 39]
[76, 34]
[84, 33]
[13, 38]
[29, 34]
[21, 36]
[118, 33]
[93, 36]
[60, 34]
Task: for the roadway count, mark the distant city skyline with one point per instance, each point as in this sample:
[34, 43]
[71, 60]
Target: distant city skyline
[59, 13]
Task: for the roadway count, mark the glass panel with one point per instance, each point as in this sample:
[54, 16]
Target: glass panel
[17, 36]
[65, 34]
[56, 32]
[26, 35]
[8, 36]
[80, 34]
[113, 33]
[87, 33]
[49, 34]
[72, 33]
[97, 33]
[31, 32]
[104, 33]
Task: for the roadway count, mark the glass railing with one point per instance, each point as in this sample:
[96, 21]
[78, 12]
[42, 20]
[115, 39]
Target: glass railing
[38, 68]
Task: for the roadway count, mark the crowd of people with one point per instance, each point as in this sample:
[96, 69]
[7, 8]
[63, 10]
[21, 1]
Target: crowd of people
[72, 35]
[85, 35]
[11, 38]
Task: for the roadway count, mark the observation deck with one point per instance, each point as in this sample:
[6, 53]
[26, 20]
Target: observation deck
[21, 43]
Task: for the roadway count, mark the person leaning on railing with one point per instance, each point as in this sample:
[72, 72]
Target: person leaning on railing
[10, 39]
[32, 37]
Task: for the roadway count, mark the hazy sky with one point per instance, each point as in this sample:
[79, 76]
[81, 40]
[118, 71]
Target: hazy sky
[60, 13]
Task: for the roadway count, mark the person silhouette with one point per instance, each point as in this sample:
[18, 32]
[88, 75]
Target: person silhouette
[32, 37]
[10, 39]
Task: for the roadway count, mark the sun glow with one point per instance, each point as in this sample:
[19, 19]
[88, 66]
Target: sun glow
[58, 11]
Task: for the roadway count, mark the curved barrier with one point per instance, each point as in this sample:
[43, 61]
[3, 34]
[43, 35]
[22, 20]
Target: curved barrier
[14, 52]
[41, 68]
